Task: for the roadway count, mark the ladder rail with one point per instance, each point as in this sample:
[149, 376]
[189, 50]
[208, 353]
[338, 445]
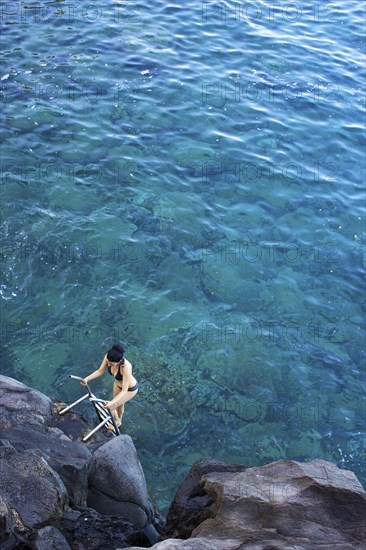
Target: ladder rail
[104, 415]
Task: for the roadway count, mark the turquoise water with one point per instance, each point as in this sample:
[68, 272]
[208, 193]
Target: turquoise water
[188, 179]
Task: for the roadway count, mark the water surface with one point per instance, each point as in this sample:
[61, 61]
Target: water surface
[188, 179]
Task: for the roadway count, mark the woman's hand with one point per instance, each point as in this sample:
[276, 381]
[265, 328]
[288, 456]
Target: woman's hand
[83, 383]
[108, 405]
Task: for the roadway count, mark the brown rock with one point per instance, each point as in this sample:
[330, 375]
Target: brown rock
[192, 504]
[284, 505]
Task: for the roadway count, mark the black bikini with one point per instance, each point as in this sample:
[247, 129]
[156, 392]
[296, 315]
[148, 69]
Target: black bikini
[119, 376]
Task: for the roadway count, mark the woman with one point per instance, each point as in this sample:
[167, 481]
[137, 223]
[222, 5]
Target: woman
[125, 385]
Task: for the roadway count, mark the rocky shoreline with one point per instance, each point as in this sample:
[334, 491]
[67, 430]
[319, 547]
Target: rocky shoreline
[59, 494]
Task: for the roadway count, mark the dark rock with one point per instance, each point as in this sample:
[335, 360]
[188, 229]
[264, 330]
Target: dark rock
[20, 404]
[76, 427]
[42, 470]
[151, 533]
[17, 542]
[31, 487]
[6, 519]
[50, 538]
[117, 483]
[25, 415]
[191, 504]
[86, 529]
[69, 459]
[13, 533]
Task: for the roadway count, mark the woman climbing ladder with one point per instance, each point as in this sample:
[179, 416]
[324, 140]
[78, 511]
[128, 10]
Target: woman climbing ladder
[125, 386]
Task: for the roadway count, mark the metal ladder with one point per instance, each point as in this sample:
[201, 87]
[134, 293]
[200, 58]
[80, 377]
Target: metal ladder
[104, 415]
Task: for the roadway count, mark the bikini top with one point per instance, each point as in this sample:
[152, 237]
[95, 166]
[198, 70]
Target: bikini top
[118, 375]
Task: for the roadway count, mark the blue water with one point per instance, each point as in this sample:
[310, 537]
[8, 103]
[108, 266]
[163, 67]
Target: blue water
[189, 180]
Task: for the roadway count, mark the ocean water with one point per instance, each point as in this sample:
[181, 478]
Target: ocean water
[189, 179]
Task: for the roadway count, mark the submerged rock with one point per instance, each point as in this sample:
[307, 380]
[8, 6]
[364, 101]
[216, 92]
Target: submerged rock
[282, 505]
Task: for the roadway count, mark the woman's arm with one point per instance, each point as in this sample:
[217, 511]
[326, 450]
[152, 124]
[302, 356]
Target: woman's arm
[97, 372]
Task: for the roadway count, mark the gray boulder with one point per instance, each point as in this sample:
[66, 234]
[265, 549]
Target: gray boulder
[117, 484]
[282, 505]
[50, 538]
[20, 404]
[42, 470]
[25, 415]
[68, 458]
[31, 488]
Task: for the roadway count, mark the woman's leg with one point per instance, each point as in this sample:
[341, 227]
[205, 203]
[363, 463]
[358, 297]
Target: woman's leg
[118, 412]
[121, 407]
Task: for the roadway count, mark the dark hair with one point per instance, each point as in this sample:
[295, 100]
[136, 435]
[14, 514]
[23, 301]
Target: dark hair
[115, 354]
